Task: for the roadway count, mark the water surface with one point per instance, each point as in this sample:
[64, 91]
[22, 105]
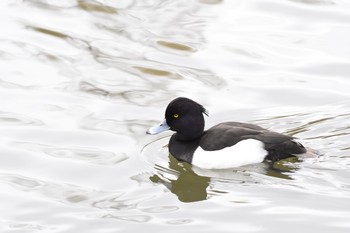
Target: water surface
[81, 81]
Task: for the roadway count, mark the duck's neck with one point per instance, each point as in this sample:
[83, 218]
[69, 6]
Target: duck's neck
[192, 132]
[184, 137]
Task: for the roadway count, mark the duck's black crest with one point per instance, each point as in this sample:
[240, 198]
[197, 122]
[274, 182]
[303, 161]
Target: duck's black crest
[183, 105]
[189, 120]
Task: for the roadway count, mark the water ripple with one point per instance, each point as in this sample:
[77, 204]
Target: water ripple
[90, 155]
[72, 194]
[134, 127]
[176, 46]
[23, 226]
[179, 221]
[315, 2]
[22, 183]
[46, 31]
[130, 218]
[161, 209]
[9, 118]
[95, 6]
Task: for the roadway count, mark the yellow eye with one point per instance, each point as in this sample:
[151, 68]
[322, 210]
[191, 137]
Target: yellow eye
[176, 115]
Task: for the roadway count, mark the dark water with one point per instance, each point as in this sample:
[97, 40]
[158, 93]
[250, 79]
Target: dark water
[81, 81]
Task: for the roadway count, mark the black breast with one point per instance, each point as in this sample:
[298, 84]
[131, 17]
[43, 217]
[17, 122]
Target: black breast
[182, 150]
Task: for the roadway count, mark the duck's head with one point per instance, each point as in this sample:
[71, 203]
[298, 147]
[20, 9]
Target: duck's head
[183, 116]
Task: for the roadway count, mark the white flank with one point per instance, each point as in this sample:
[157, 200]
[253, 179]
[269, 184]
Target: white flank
[245, 152]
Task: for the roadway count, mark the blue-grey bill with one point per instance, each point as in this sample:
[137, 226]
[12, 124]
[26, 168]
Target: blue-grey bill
[163, 126]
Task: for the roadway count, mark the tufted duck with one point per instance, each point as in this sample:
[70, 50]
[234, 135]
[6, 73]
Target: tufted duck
[226, 145]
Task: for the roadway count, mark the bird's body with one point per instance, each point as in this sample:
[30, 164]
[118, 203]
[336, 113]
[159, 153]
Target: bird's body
[226, 145]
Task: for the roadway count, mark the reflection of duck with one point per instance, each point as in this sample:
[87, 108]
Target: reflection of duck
[188, 186]
[191, 184]
[226, 145]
